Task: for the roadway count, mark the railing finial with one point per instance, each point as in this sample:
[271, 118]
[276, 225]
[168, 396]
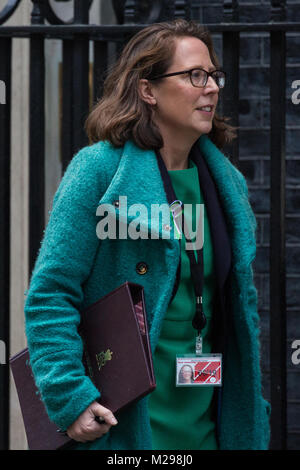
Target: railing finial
[150, 11]
[278, 10]
[131, 13]
[230, 11]
[37, 14]
[182, 9]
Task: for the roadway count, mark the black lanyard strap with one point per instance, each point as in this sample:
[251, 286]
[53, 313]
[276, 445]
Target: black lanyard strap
[197, 275]
[196, 265]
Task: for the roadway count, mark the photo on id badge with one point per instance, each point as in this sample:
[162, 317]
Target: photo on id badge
[198, 370]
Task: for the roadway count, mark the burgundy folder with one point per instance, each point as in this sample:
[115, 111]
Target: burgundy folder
[117, 357]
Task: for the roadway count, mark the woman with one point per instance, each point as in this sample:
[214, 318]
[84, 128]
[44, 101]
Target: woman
[157, 137]
[185, 375]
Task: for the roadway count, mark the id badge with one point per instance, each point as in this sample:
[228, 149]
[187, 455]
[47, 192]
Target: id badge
[194, 370]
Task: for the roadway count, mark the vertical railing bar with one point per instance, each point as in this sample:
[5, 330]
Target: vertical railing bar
[230, 97]
[277, 243]
[80, 82]
[5, 231]
[231, 61]
[66, 136]
[100, 67]
[36, 147]
[119, 46]
[277, 236]
[81, 12]
[80, 91]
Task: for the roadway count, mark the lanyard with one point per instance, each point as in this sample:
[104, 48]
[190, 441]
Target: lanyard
[196, 265]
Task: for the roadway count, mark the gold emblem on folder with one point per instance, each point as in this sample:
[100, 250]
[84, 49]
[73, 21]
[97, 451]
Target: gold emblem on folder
[103, 357]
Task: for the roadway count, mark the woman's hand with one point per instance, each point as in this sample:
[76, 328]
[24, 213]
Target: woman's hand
[85, 428]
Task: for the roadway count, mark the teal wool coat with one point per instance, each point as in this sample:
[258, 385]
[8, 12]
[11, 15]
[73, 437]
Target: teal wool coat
[75, 268]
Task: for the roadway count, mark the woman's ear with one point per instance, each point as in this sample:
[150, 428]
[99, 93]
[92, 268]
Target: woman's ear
[146, 91]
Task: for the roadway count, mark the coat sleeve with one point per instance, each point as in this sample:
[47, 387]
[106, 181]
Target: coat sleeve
[55, 292]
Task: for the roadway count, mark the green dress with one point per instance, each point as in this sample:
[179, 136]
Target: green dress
[180, 417]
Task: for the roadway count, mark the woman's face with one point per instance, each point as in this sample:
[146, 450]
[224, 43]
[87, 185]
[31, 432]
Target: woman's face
[178, 101]
[186, 373]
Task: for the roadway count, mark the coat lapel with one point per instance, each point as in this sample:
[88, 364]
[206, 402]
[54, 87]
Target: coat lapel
[218, 229]
[234, 198]
[138, 178]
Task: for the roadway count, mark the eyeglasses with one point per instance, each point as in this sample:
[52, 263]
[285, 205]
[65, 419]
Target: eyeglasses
[199, 77]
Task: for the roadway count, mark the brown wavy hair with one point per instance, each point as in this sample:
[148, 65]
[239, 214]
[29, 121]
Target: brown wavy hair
[121, 114]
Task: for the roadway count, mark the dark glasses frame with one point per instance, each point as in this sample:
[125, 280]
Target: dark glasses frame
[208, 74]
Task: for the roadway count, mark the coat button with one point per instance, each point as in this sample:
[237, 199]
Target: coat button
[141, 268]
[116, 204]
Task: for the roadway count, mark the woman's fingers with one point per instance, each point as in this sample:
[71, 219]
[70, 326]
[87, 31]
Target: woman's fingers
[86, 428]
[102, 412]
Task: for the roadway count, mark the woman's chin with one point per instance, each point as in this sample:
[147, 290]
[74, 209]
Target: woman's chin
[206, 128]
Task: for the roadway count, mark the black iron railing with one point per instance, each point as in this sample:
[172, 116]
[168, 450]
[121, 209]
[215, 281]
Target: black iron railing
[76, 37]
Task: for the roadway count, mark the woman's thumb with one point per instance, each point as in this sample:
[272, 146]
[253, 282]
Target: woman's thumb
[104, 415]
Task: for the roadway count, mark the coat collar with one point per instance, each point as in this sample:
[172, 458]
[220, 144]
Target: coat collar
[233, 193]
[218, 226]
[138, 178]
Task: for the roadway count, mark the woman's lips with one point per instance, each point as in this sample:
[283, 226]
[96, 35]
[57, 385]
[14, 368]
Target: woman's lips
[208, 113]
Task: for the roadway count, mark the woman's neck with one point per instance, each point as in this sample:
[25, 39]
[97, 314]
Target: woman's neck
[175, 152]
[175, 158]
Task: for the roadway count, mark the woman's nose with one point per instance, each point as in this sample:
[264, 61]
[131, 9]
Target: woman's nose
[211, 85]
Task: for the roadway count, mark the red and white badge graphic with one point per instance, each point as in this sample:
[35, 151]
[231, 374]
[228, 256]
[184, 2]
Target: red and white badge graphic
[208, 372]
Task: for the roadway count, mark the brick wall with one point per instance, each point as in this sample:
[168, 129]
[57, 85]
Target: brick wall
[255, 164]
